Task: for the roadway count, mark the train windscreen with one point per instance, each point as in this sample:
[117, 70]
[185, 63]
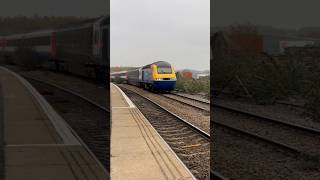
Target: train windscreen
[164, 68]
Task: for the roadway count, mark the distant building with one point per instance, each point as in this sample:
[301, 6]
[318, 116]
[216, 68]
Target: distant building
[275, 45]
[199, 76]
[186, 74]
[271, 44]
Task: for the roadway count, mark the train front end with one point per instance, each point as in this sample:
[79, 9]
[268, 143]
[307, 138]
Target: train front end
[164, 77]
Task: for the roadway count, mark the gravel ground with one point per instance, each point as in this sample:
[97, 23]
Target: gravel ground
[298, 139]
[189, 101]
[196, 117]
[195, 96]
[87, 88]
[239, 158]
[277, 111]
[190, 147]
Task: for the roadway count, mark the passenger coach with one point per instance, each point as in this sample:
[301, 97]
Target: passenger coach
[82, 48]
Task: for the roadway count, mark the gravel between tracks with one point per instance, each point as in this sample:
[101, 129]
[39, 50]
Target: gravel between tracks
[189, 101]
[301, 140]
[85, 87]
[239, 157]
[191, 148]
[194, 96]
[278, 111]
[196, 117]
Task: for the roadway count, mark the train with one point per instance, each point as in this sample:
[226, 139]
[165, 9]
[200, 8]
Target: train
[81, 48]
[158, 76]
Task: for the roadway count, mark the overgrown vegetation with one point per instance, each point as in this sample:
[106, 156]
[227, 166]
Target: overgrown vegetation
[118, 80]
[265, 79]
[193, 86]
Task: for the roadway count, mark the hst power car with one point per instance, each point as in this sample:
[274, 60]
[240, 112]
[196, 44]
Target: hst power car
[157, 76]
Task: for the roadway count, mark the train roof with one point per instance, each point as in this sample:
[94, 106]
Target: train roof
[135, 69]
[119, 72]
[157, 63]
[30, 34]
[71, 26]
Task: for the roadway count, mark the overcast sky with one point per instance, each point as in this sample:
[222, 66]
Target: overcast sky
[84, 8]
[277, 13]
[145, 31]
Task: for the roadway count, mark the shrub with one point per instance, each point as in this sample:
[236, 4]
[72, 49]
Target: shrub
[193, 86]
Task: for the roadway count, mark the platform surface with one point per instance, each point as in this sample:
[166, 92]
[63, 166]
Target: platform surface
[38, 145]
[137, 150]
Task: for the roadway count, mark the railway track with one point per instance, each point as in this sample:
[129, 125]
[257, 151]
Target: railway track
[282, 102]
[191, 144]
[85, 117]
[291, 137]
[196, 103]
[272, 147]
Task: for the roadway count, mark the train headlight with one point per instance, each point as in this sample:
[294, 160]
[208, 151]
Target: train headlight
[158, 79]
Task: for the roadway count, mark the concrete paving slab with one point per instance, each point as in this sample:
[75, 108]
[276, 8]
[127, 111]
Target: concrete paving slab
[137, 150]
[39, 144]
[119, 100]
[24, 120]
[51, 162]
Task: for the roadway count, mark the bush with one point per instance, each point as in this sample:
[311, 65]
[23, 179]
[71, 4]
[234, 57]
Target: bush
[311, 92]
[193, 86]
[246, 75]
[118, 80]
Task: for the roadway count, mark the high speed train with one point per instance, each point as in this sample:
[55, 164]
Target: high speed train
[81, 49]
[157, 76]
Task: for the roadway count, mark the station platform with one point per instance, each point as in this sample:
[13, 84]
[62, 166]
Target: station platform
[37, 143]
[137, 151]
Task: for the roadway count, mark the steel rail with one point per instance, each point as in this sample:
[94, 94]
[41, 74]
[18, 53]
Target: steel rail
[72, 130]
[246, 133]
[70, 92]
[193, 127]
[291, 125]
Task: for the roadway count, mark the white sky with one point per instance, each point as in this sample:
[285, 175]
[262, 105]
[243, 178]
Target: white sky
[145, 31]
